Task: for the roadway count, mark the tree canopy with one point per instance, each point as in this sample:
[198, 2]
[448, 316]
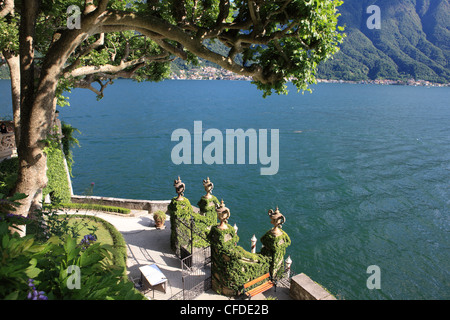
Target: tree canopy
[276, 41]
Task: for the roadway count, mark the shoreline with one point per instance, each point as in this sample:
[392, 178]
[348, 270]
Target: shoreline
[387, 82]
[420, 83]
[212, 73]
[234, 77]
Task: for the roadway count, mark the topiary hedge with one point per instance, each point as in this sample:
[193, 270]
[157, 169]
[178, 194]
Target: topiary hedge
[275, 248]
[180, 234]
[93, 206]
[58, 184]
[233, 266]
[202, 222]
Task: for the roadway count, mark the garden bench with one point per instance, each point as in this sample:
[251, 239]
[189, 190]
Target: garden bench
[153, 277]
[266, 284]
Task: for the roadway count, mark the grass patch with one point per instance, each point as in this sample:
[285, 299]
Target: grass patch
[86, 224]
[108, 233]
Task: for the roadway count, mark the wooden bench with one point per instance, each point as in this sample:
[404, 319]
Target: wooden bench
[266, 284]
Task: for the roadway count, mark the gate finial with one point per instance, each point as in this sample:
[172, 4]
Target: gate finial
[179, 188]
[223, 213]
[277, 219]
[209, 186]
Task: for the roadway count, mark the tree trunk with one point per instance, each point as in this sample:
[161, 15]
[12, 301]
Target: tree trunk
[31, 158]
[37, 105]
[13, 62]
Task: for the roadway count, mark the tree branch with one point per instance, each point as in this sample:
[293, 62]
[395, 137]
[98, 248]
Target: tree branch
[281, 9]
[89, 6]
[8, 6]
[102, 4]
[87, 50]
[87, 84]
[152, 25]
[224, 11]
[112, 69]
[252, 11]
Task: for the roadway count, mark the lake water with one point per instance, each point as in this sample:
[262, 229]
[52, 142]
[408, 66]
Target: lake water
[363, 177]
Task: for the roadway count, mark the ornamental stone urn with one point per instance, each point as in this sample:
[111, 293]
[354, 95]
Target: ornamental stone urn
[179, 188]
[160, 219]
[209, 186]
[277, 219]
[223, 213]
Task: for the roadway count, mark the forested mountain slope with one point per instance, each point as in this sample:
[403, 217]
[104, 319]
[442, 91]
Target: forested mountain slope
[413, 41]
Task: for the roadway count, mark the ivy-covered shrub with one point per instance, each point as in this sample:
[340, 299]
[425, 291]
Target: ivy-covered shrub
[208, 208]
[58, 184]
[68, 141]
[180, 233]
[275, 248]
[9, 169]
[232, 266]
[201, 222]
[204, 220]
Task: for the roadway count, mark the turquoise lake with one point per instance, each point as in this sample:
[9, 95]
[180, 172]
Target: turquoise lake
[363, 179]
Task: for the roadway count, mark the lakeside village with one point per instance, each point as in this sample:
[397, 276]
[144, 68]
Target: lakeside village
[211, 73]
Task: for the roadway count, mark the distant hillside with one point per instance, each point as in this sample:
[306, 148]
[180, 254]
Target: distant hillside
[413, 42]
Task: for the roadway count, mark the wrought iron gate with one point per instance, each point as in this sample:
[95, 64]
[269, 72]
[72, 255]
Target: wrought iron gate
[195, 264]
[196, 273]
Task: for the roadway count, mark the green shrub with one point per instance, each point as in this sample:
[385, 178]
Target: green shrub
[234, 266]
[159, 215]
[58, 184]
[68, 141]
[93, 206]
[9, 169]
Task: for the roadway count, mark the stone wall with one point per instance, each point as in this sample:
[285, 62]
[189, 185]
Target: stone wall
[303, 288]
[7, 141]
[133, 204]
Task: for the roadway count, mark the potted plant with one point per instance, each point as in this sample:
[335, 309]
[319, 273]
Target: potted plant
[160, 219]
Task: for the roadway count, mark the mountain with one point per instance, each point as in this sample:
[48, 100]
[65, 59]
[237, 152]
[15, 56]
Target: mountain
[413, 42]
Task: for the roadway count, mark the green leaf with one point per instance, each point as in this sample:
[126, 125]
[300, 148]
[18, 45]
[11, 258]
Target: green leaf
[27, 243]
[5, 240]
[70, 247]
[88, 258]
[32, 271]
[12, 296]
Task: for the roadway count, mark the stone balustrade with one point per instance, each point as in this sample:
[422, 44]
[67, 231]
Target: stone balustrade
[7, 145]
[150, 205]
